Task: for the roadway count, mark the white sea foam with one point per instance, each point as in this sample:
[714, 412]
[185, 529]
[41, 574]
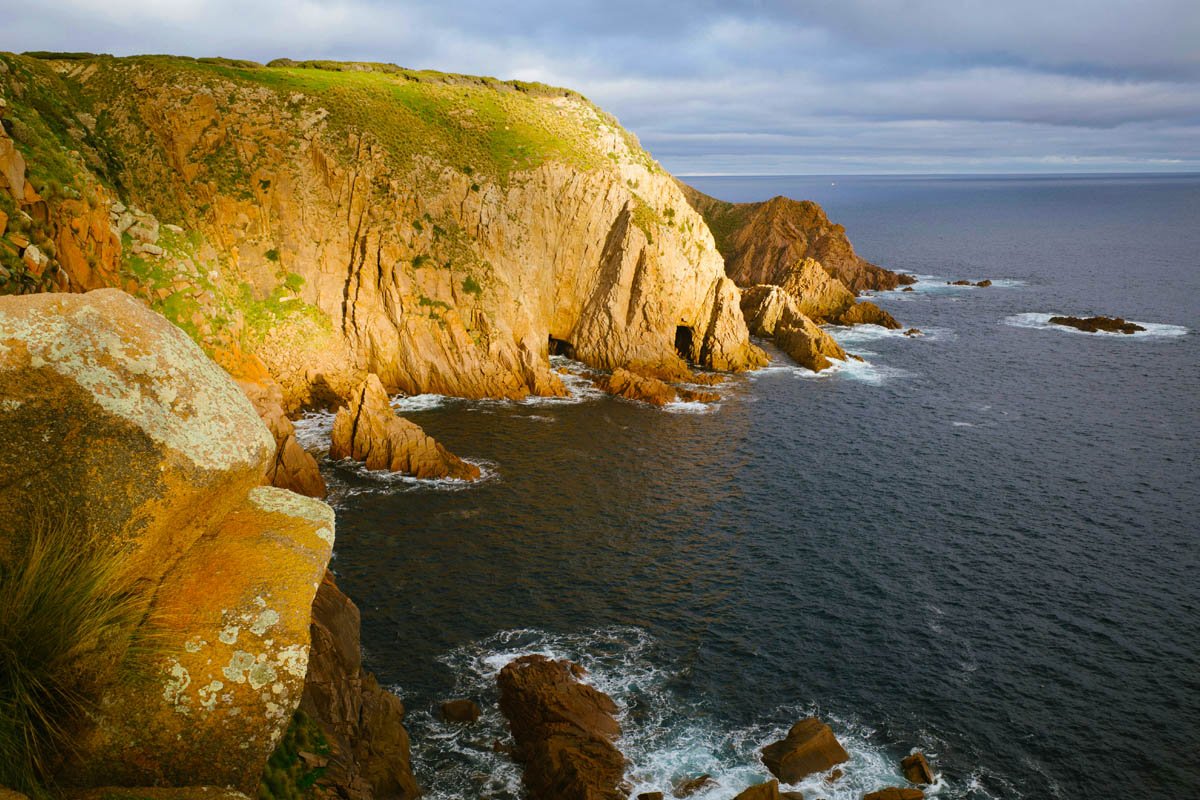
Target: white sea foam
[419, 402]
[1040, 321]
[665, 738]
[313, 430]
[691, 407]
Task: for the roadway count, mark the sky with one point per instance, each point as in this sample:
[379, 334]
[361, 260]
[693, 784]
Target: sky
[740, 87]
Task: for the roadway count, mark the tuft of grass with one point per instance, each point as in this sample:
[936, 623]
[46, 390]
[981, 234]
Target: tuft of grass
[289, 775]
[63, 600]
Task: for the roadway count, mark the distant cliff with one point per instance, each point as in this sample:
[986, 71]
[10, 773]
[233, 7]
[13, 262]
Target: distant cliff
[335, 219]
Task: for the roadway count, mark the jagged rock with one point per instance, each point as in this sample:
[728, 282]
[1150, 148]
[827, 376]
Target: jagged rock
[363, 723]
[155, 448]
[771, 311]
[1097, 324]
[368, 430]
[981, 284]
[762, 241]
[690, 786]
[895, 793]
[914, 332]
[696, 396]
[35, 260]
[865, 312]
[916, 769]
[984, 283]
[462, 710]
[12, 167]
[818, 295]
[726, 343]
[624, 383]
[908, 289]
[809, 747]
[763, 791]
[564, 731]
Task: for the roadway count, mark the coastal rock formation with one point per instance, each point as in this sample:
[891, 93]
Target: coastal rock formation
[564, 730]
[916, 769]
[981, 284]
[362, 722]
[809, 747]
[762, 241]
[818, 295]
[436, 230]
[368, 430]
[623, 383]
[1097, 324]
[895, 793]
[763, 791]
[771, 311]
[864, 312]
[153, 448]
[690, 786]
[461, 710]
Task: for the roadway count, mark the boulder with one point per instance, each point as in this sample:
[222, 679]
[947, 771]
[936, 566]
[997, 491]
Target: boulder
[368, 430]
[818, 294]
[809, 345]
[914, 332]
[689, 786]
[763, 791]
[984, 283]
[363, 723]
[895, 793]
[152, 446]
[916, 769]
[908, 289]
[564, 730]
[810, 747]
[463, 711]
[642, 796]
[624, 383]
[865, 312]
[1097, 324]
[35, 260]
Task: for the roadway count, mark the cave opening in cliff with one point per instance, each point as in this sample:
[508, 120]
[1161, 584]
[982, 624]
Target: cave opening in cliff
[683, 342]
[561, 347]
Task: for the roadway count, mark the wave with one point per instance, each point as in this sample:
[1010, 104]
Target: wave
[939, 284]
[860, 371]
[1040, 321]
[666, 738]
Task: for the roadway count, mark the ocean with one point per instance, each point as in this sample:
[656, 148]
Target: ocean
[982, 543]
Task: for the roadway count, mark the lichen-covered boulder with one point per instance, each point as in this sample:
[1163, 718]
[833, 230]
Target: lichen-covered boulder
[112, 414]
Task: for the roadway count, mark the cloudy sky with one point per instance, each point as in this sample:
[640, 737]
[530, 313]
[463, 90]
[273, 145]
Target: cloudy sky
[761, 87]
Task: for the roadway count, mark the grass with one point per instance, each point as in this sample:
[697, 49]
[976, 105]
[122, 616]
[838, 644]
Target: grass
[287, 776]
[62, 599]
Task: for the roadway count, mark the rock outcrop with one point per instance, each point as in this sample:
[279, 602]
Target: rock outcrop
[362, 722]
[895, 793]
[818, 295]
[564, 730]
[339, 232]
[763, 791]
[153, 448]
[623, 383]
[864, 312]
[810, 747]
[762, 241]
[916, 769]
[1098, 324]
[368, 430]
[772, 312]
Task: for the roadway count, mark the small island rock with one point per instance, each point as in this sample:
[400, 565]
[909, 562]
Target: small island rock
[809, 747]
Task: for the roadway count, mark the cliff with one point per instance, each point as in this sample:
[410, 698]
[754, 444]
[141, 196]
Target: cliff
[337, 219]
[762, 242]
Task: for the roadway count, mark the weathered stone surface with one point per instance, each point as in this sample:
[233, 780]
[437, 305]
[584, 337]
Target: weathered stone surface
[818, 295]
[461, 710]
[864, 312]
[895, 793]
[155, 448]
[762, 241]
[809, 747]
[763, 791]
[362, 721]
[916, 769]
[726, 342]
[624, 383]
[564, 731]
[1097, 324]
[771, 311]
[368, 430]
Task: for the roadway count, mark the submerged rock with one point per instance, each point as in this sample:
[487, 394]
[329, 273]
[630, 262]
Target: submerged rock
[460, 711]
[153, 448]
[368, 430]
[916, 769]
[690, 786]
[895, 793]
[810, 747]
[1097, 324]
[564, 730]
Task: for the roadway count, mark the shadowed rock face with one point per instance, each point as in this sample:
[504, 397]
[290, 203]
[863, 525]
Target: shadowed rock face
[564, 730]
[368, 430]
[153, 447]
[763, 241]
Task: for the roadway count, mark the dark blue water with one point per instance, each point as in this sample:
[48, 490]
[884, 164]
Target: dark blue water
[983, 543]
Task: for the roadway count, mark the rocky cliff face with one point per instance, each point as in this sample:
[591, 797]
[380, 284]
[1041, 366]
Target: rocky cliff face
[114, 416]
[435, 230]
[762, 242]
